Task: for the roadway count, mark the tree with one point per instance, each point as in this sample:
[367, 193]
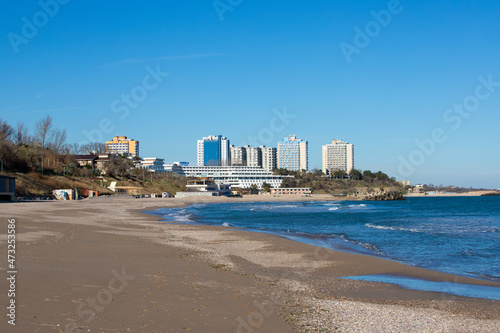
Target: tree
[317, 172]
[339, 174]
[266, 187]
[6, 132]
[57, 140]
[368, 176]
[93, 148]
[21, 136]
[355, 174]
[6, 148]
[124, 165]
[43, 130]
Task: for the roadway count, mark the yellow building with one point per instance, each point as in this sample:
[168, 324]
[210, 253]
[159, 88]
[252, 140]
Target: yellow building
[122, 145]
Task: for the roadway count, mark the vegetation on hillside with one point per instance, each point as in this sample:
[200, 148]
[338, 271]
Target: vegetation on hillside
[357, 182]
[42, 161]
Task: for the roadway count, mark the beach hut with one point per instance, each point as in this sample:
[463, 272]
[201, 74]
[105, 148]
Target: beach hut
[63, 194]
[7, 188]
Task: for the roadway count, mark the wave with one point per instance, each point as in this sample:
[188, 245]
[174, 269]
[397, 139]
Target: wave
[333, 208]
[329, 204]
[180, 216]
[368, 246]
[225, 224]
[383, 227]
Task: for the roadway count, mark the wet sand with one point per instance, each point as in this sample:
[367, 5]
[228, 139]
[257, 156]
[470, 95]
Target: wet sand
[102, 265]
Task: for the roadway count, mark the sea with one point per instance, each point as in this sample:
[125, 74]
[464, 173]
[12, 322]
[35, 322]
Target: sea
[457, 235]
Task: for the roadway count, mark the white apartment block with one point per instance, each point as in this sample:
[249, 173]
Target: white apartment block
[225, 156]
[338, 155]
[292, 154]
[238, 156]
[199, 152]
[269, 158]
[254, 156]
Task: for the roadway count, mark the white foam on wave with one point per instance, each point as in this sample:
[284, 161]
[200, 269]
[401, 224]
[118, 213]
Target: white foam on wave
[383, 227]
[225, 224]
[333, 208]
[356, 206]
[180, 216]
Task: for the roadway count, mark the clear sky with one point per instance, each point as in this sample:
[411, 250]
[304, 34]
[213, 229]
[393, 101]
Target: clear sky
[378, 74]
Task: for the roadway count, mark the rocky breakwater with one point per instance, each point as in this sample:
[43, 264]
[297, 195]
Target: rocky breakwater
[382, 196]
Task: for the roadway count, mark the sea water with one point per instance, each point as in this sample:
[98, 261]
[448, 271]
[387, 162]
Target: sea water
[457, 235]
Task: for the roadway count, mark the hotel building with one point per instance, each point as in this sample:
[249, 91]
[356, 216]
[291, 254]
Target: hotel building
[235, 176]
[254, 156]
[269, 158]
[338, 155]
[213, 151]
[122, 145]
[292, 154]
[238, 156]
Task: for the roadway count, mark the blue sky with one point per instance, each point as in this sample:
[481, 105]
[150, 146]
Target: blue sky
[231, 76]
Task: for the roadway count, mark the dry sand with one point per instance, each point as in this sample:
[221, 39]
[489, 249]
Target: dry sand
[101, 265]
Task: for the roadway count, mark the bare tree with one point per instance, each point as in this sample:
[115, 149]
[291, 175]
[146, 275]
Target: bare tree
[6, 132]
[43, 130]
[57, 140]
[75, 149]
[93, 148]
[22, 136]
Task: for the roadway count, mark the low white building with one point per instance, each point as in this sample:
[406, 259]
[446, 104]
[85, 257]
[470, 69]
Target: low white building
[153, 164]
[202, 188]
[234, 176]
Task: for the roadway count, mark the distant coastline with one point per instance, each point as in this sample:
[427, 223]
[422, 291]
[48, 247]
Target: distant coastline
[465, 194]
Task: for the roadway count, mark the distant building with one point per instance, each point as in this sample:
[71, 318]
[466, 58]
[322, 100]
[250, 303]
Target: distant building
[338, 155]
[404, 182]
[84, 160]
[122, 145]
[254, 156]
[292, 154]
[153, 164]
[291, 191]
[100, 161]
[234, 176]
[213, 151]
[238, 156]
[204, 187]
[7, 188]
[269, 158]
[168, 167]
[419, 188]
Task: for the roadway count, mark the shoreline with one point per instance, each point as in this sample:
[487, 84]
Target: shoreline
[309, 239]
[291, 286]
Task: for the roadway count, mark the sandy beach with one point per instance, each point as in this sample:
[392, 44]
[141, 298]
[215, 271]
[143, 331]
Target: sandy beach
[103, 265]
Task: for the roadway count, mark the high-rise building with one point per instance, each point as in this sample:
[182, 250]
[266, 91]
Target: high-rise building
[213, 150]
[254, 156]
[122, 145]
[292, 154]
[269, 158]
[338, 155]
[238, 156]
